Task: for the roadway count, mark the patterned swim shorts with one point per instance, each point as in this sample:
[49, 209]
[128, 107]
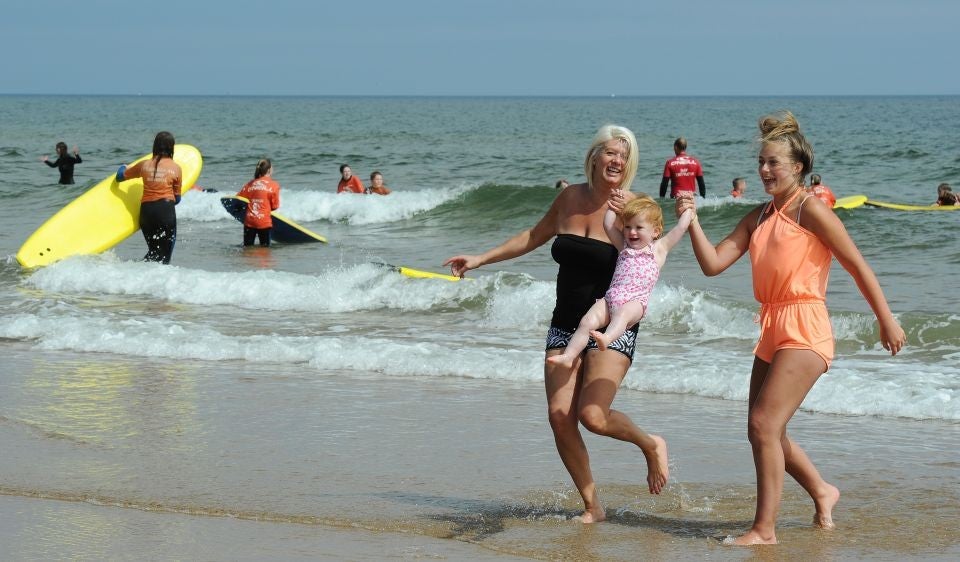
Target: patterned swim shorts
[558, 338]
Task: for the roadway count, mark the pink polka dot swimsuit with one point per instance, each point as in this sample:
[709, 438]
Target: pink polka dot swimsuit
[634, 277]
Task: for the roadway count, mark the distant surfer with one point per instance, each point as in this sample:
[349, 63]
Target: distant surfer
[162, 184]
[349, 183]
[820, 190]
[64, 162]
[682, 172]
[263, 194]
[376, 184]
[739, 188]
[946, 197]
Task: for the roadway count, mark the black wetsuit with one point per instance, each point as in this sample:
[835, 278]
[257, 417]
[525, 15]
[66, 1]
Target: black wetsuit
[65, 163]
[158, 222]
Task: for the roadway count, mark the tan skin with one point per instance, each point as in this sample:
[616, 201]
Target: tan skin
[778, 388]
[583, 392]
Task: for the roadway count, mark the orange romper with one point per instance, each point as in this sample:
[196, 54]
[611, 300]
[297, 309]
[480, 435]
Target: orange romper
[790, 271]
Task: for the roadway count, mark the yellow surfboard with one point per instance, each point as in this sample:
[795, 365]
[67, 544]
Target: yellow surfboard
[850, 202]
[101, 218]
[902, 207]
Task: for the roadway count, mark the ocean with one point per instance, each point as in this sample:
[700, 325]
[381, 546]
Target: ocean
[303, 401]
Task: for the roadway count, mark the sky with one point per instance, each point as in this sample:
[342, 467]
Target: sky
[481, 48]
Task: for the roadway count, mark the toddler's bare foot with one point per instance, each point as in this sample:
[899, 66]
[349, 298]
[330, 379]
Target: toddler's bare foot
[658, 470]
[824, 515]
[600, 338]
[562, 359]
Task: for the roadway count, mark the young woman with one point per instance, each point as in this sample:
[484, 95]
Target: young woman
[792, 240]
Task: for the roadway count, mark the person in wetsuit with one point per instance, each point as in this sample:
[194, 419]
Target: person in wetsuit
[64, 162]
[583, 392]
[792, 240]
[162, 184]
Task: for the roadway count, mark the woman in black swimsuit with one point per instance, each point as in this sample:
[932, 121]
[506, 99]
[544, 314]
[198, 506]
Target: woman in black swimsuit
[64, 162]
[583, 393]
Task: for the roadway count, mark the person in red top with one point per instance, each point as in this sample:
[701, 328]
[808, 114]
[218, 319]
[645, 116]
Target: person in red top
[376, 184]
[349, 182]
[681, 171]
[821, 191]
[162, 184]
[263, 194]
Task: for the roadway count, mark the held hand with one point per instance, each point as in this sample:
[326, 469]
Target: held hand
[892, 337]
[617, 201]
[683, 202]
[462, 264]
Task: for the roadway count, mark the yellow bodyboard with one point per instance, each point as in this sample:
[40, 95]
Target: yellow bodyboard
[101, 218]
[903, 207]
[418, 274]
[850, 202]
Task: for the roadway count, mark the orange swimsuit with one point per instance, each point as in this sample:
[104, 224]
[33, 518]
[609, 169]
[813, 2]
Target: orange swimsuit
[790, 271]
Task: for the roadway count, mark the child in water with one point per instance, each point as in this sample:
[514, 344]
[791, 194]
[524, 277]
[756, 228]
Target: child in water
[642, 255]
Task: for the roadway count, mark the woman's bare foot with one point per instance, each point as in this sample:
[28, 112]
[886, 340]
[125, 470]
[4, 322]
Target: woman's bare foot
[750, 538]
[593, 515]
[658, 470]
[561, 359]
[824, 504]
[600, 338]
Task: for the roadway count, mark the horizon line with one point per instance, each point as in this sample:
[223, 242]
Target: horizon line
[475, 96]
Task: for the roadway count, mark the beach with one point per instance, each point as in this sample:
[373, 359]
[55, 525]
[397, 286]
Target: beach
[304, 402]
[226, 466]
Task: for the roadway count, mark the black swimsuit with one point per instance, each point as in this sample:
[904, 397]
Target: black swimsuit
[586, 269]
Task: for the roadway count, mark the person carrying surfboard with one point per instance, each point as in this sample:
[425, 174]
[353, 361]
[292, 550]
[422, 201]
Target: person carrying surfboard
[263, 194]
[162, 183]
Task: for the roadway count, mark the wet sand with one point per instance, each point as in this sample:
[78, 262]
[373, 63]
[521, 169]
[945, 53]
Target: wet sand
[220, 461]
